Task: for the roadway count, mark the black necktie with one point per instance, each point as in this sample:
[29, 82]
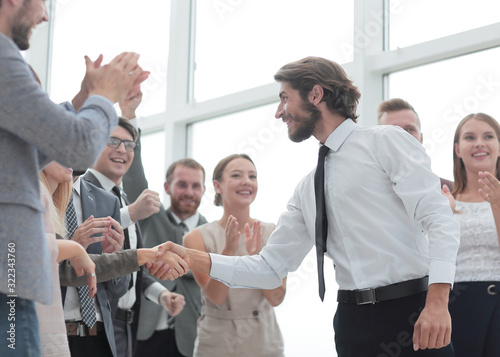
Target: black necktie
[126, 243]
[116, 190]
[87, 307]
[321, 226]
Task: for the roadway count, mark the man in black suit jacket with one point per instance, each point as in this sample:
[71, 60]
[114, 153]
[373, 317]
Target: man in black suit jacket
[92, 201]
[107, 173]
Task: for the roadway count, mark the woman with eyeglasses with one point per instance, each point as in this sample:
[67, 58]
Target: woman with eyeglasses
[475, 199]
[235, 322]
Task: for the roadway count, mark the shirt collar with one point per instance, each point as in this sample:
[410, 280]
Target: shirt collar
[340, 134]
[76, 185]
[105, 182]
[190, 222]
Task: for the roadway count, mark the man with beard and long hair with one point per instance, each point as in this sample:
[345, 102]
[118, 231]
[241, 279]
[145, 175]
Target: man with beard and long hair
[33, 132]
[159, 333]
[374, 207]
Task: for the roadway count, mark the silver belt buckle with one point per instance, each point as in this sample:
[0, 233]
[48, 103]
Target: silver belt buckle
[80, 329]
[365, 296]
[130, 317]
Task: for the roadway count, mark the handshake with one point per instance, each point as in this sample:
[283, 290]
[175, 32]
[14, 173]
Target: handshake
[171, 261]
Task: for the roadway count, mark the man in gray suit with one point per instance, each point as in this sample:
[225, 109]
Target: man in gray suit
[159, 333]
[33, 132]
[98, 339]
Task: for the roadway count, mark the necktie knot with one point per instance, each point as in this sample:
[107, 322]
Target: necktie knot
[116, 190]
[184, 227]
[323, 151]
[118, 193]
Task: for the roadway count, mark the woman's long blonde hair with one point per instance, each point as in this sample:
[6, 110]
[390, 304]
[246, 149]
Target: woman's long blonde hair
[60, 200]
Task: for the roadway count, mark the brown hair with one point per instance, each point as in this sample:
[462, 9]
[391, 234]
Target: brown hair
[219, 171]
[395, 105]
[339, 93]
[125, 124]
[459, 173]
[187, 162]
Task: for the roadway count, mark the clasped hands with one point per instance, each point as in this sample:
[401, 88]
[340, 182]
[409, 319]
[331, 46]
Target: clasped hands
[171, 261]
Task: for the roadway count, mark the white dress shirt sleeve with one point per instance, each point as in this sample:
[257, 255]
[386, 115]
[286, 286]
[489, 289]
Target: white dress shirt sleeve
[286, 248]
[418, 188]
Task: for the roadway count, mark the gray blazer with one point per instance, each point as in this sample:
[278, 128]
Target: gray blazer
[99, 203]
[34, 131]
[158, 229]
[143, 280]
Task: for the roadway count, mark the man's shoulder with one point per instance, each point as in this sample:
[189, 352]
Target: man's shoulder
[8, 47]
[98, 191]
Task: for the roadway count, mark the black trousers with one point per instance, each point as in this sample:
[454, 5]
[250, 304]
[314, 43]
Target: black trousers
[90, 345]
[475, 318]
[161, 344]
[384, 329]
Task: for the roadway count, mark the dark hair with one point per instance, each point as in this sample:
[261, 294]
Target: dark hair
[187, 162]
[459, 173]
[125, 124]
[339, 93]
[219, 171]
[395, 105]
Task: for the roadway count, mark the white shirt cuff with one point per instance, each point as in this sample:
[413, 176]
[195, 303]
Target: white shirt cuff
[153, 292]
[126, 221]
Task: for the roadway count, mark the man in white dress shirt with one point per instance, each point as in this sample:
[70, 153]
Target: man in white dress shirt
[391, 234]
[107, 173]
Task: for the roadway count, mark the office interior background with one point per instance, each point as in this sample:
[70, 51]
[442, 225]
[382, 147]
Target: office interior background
[211, 91]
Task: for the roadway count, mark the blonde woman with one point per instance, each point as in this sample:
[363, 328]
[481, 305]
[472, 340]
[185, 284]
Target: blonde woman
[53, 336]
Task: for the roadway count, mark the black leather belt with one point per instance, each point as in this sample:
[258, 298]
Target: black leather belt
[389, 292]
[125, 315]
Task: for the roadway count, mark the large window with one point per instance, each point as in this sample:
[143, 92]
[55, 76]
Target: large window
[413, 22]
[443, 93]
[153, 160]
[241, 44]
[93, 27]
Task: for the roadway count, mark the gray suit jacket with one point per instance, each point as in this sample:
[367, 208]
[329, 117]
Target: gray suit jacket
[34, 131]
[143, 281]
[99, 203]
[158, 229]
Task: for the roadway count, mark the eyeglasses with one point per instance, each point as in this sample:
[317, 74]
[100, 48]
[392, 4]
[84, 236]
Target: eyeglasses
[114, 143]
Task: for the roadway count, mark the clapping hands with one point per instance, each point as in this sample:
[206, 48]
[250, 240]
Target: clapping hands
[489, 187]
[112, 234]
[253, 237]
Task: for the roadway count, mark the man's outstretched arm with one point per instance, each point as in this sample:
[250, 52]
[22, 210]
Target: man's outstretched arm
[197, 260]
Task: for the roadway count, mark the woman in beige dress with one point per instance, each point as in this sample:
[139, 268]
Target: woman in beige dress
[235, 322]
